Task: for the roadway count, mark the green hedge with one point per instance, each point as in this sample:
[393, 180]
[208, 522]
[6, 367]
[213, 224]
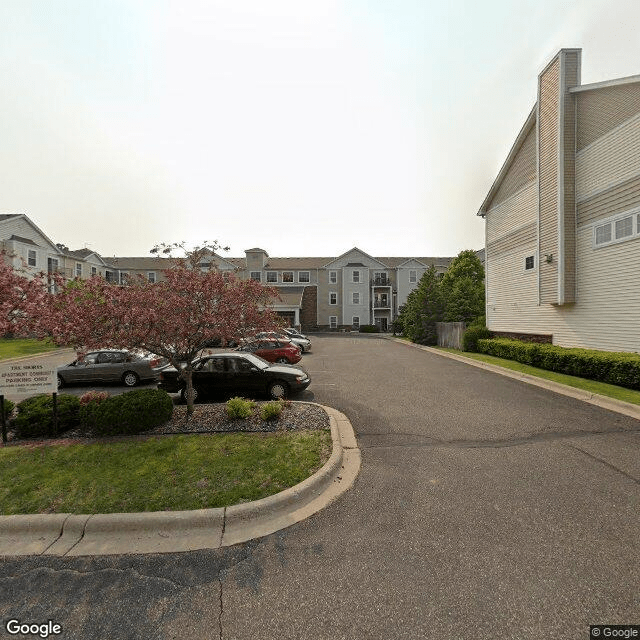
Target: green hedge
[35, 415]
[369, 328]
[622, 369]
[471, 336]
[129, 413]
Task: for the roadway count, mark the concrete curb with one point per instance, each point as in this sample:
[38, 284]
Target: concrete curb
[619, 406]
[40, 355]
[66, 534]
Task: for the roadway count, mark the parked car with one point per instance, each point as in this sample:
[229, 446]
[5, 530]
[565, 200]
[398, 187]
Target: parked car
[302, 342]
[237, 373]
[109, 365]
[273, 350]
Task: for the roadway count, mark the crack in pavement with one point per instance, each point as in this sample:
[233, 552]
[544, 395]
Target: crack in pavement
[606, 464]
[488, 443]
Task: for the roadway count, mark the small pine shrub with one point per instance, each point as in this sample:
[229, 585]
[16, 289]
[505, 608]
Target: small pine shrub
[238, 408]
[34, 417]
[472, 335]
[130, 413]
[272, 410]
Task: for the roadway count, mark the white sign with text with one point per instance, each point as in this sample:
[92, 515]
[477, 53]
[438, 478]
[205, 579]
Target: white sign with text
[27, 379]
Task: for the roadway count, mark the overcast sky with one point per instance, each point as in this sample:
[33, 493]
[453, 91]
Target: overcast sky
[304, 128]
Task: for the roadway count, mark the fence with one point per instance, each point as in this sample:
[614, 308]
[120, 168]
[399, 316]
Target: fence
[450, 334]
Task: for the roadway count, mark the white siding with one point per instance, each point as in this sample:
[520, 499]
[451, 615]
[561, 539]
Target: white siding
[606, 314]
[517, 211]
[609, 160]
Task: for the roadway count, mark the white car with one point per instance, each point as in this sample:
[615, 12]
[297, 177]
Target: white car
[299, 341]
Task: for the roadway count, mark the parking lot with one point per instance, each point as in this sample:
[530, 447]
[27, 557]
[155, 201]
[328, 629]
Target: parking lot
[485, 508]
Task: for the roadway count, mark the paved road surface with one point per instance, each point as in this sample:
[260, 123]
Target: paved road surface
[485, 508]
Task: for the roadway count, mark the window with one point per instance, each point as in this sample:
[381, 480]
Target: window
[529, 263]
[333, 298]
[333, 277]
[624, 228]
[52, 265]
[333, 322]
[256, 275]
[31, 260]
[151, 276]
[355, 298]
[272, 276]
[355, 276]
[287, 276]
[124, 275]
[356, 322]
[603, 233]
[413, 276]
[78, 269]
[620, 228]
[304, 276]
[94, 271]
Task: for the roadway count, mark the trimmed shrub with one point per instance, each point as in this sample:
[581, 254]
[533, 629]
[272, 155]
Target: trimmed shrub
[129, 413]
[472, 335]
[34, 417]
[88, 404]
[8, 408]
[622, 369]
[239, 408]
[369, 328]
[272, 410]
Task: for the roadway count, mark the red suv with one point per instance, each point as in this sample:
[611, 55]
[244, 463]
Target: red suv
[273, 350]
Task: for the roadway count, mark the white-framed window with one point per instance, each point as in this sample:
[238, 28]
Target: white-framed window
[333, 322]
[413, 276]
[32, 258]
[94, 271]
[78, 269]
[151, 276]
[355, 323]
[287, 276]
[52, 265]
[333, 277]
[619, 228]
[355, 298]
[124, 275]
[333, 297]
[272, 276]
[355, 276]
[304, 276]
[530, 263]
[256, 275]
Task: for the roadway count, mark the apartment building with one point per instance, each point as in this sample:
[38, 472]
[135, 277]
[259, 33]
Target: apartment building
[314, 293]
[563, 215]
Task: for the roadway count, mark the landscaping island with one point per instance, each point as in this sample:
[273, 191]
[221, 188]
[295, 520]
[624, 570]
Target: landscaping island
[207, 460]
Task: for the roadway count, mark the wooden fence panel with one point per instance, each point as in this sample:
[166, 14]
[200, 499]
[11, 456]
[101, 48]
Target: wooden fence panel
[450, 334]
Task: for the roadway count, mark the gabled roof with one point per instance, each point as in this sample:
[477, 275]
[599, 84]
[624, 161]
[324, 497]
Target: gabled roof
[605, 84]
[361, 252]
[12, 216]
[524, 132]
[84, 254]
[24, 240]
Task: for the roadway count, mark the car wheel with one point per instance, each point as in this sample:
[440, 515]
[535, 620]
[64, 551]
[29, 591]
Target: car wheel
[282, 360]
[60, 382]
[183, 394]
[278, 389]
[130, 379]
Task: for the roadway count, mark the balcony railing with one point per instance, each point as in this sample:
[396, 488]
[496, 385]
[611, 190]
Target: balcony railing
[381, 282]
[381, 304]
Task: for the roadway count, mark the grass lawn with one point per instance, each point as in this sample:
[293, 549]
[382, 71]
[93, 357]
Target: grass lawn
[18, 347]
[162, 473]
[602, 388]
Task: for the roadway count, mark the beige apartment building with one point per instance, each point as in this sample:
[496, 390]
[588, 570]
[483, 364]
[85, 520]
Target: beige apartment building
[563, 215]
[322, 293]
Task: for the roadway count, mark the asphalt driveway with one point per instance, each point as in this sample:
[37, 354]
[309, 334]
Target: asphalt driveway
[485, 508]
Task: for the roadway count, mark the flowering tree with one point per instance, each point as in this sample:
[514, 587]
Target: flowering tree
[173, 318]
[21, 298]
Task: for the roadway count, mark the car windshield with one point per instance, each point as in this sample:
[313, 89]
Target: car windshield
[257, 361]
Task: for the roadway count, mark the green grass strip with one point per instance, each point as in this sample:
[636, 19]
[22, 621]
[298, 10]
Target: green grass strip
[162, 473]
[19, 347]
[592, 386]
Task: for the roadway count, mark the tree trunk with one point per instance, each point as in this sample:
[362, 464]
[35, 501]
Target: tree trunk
[187, 373]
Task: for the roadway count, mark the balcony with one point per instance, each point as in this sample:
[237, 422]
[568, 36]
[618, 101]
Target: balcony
[381, 281]
[381, 304]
